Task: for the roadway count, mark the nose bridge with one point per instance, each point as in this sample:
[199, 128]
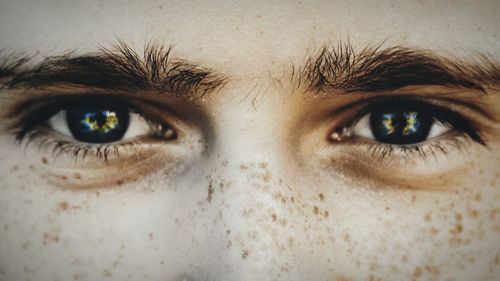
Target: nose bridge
[247, 196]
[245, 185]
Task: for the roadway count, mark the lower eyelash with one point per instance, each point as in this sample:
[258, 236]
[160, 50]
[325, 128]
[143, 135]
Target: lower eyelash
[423, 151]
[75, 150]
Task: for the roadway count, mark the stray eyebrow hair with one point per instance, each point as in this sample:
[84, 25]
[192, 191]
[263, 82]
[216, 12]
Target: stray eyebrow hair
[377, 69]
[118, 68]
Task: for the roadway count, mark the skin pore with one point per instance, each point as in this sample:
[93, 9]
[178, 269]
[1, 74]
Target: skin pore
[253, 186]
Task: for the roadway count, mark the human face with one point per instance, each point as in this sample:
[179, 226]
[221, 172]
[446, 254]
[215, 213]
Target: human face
[256, 156]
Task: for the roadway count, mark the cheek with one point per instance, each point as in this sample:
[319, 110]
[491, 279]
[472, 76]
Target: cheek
[422, 234]
[254, 219]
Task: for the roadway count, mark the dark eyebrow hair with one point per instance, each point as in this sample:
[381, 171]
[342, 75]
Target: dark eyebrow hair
[377, 69]
[118, 68]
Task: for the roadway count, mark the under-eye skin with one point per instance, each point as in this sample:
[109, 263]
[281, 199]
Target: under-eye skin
[406, 125]
[86, 124]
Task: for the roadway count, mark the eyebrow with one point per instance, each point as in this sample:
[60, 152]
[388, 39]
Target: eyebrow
[118, 68]
[377, 69]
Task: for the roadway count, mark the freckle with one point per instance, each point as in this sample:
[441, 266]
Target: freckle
[458, 229]
[14, 168]
[473, 213]
[25, 245]
[326, 214]
[244, 254]
[432, 269]
[77, 176]
[266, 177]
[497, 258]
[346, 237]
[413, 198]
[107, 273]
[97, 193]
[63, 206]
[44, 160]
[428, 217]
[119, 182]
[493, 215]
[434, 231]
[49, 238]
[404, 258]
[493, 182]
[263, 165]
[458, 216]
[417, 273]
[321, 197]
[316, 210]
[292, 199]
[274, 217]
[210, 192]
[477, 197]
[151, 236]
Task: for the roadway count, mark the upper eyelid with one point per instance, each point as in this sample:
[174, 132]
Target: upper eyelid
[437, 101]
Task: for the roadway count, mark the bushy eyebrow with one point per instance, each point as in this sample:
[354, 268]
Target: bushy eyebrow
[118, 68]
[377, 69]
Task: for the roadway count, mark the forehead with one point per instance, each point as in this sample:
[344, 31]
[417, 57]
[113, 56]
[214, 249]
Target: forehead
[249, 36]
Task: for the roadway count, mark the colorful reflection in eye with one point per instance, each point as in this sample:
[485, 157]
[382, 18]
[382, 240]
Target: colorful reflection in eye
[101, 121]
[400, 126]
[412, 123]
[98, 124]
[388, 124]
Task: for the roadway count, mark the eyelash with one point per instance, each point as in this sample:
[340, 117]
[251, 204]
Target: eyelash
[423, 151]
[464, 131]
[32, 127]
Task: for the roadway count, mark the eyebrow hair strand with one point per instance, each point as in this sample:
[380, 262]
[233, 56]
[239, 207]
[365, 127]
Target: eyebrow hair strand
[377, 69]
[118, 68]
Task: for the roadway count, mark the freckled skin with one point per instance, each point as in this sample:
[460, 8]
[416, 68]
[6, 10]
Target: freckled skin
[263, 201]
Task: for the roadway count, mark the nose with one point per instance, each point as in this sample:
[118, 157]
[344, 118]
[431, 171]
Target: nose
[254, 211]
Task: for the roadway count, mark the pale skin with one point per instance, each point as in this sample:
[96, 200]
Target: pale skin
[253, 188]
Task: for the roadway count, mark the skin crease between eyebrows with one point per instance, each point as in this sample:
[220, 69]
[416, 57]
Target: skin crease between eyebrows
[333, 68]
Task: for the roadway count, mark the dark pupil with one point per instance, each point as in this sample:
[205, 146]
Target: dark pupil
[98, 124]
[400, 126]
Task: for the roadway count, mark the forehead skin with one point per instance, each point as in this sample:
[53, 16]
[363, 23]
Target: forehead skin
[247, 211]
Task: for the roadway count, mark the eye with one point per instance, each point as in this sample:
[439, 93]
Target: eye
[93, 122]
[404, 122]
[399, 124]
[99, 122]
